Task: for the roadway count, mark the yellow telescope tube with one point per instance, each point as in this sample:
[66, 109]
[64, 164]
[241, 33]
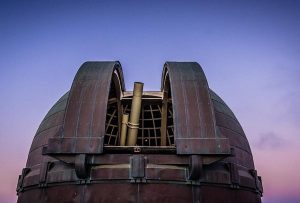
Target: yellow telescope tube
[133, 124]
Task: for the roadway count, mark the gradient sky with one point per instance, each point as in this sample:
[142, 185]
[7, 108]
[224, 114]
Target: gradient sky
[249, 50]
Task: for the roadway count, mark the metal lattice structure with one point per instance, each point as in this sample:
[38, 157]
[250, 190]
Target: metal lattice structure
[149, 127]
[101, 143]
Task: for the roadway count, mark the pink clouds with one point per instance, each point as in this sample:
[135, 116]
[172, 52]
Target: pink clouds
[279, 169]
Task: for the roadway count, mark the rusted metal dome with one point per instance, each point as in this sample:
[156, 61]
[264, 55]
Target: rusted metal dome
[180, 144]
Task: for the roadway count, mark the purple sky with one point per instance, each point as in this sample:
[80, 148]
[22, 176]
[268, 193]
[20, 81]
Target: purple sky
[249, 50]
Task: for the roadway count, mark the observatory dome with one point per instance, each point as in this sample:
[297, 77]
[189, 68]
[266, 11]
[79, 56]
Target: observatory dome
[101, 143]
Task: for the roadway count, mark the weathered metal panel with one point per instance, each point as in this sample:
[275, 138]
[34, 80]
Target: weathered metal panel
[41, 139]
[235, 139]
[166, 172]
[167, 159]
[227, 122]
[112, 192]
[217, 177]
[79, 145]
[241, 158]
[71, 193]
[110, 159]
[60, 105]
[164, 193]
[35, 157]
[50, 127]
[62, 175]
[111, 172]
[225, 196]
[86, 109]
[202, 145]
[194, 120]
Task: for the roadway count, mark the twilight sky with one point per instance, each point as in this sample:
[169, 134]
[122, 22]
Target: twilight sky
[249, 50]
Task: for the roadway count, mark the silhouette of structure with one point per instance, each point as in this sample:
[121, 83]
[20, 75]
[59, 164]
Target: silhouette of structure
[100, 143]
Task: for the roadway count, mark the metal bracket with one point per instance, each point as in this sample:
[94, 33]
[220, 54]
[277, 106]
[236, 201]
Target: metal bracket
[81, 168]
[25, 171]
[195, 167]
[258, 181]
[232, 152]
[234, 175]
[43, 173]
[137, 166]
